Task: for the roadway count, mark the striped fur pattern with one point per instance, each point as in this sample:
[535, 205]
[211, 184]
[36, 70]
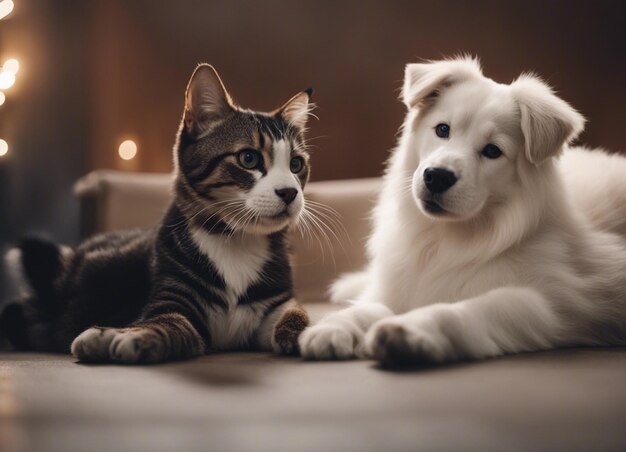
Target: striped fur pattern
[215, 274]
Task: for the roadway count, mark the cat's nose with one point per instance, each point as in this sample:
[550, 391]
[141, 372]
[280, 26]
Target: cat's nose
[286, 194]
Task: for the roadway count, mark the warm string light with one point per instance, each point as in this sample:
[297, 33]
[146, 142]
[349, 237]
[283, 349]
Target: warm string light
[7, 74]
[6, 7]
[11, 65]
[7, 80]
[8, 71]
[127, 150]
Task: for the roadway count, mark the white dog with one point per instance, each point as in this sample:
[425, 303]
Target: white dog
[477, 250]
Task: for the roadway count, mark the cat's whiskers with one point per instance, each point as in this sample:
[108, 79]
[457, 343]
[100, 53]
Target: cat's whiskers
[239, 220]
[222, 212]
[253, 216]
[234, 220]
[307, 231]
[332, 219]
[185, 221]
[303, 227]
[315, 223]
[319, 233]
[330, 214]
[225, 210]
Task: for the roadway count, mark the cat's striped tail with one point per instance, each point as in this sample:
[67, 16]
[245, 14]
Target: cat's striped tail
[36, 266]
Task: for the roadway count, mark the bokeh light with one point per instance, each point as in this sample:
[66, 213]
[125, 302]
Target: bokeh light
[4, 148]
[127, 150]
[11, 65]
[6, 6]
[7, 79]
[2, 98]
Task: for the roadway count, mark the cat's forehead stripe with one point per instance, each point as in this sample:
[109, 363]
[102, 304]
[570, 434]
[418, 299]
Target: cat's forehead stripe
[274, 126]
[261, 140]
[274, 135]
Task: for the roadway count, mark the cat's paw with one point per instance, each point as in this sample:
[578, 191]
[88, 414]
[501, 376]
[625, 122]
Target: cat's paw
[397, 341]
[136, 345]
[92, 345]
[287, 331]
[330, 341]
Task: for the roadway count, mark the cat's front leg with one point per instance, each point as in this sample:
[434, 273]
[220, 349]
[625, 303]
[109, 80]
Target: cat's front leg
[501, 321]
[155, 338]
[281, 328]
[92, 345]
[164, 337]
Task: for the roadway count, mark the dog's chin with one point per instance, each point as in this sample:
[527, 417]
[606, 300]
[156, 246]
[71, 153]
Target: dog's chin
[439, 211]
[434, 210]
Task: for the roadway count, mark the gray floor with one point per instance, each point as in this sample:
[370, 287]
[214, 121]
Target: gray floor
[566, 400]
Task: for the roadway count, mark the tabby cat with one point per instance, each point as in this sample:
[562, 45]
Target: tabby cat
[214, 275]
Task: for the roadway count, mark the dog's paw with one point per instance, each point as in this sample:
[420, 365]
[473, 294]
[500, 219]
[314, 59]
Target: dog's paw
[396, 342]
[287, 331]
[92, 345]
[137, 345]
[330, 341]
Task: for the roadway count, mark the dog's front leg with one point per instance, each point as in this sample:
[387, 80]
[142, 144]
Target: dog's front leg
[502, 321]
[340, 334]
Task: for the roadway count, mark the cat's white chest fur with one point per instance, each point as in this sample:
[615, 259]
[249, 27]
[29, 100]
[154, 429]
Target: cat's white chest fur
[239, 259]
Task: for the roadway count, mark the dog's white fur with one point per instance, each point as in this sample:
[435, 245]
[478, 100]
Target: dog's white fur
[517, 262]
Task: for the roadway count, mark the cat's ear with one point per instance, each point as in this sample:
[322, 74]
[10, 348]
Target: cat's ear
[206, 100]
[296, 110]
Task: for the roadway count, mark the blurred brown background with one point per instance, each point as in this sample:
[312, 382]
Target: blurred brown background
[96, 72]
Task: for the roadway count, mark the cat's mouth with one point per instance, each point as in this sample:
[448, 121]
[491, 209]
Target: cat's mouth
[277, 217]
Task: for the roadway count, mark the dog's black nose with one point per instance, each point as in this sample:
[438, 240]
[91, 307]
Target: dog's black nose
[286, 194]
[438, 180]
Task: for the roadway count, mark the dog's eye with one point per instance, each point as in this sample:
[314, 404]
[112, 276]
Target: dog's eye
[442, 130]
[296, 164]
[491, 151]
[249, 158]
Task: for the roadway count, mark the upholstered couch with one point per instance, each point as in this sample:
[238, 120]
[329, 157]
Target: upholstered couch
[568, 400]
[113, 200]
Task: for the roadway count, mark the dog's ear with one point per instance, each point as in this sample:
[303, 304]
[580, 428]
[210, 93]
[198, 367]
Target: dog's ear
[206, 100]
[547, 121]
[423, 81]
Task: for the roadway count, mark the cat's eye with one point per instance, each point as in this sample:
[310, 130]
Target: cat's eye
[296, 164]
[442, 130]
[249, 158]
[491, 151]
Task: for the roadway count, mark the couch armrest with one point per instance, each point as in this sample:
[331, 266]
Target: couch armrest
[113, 200]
